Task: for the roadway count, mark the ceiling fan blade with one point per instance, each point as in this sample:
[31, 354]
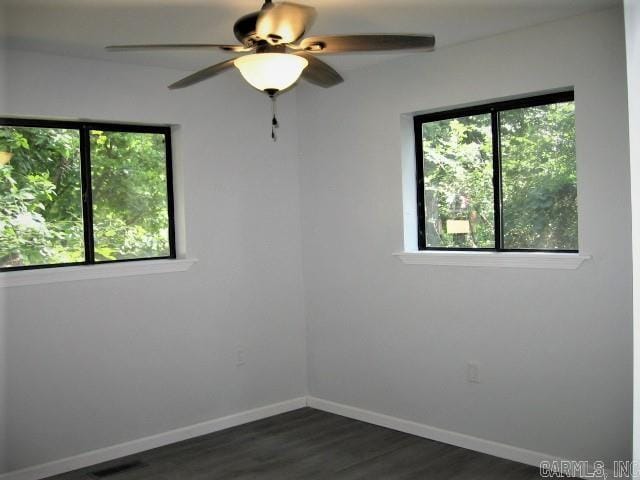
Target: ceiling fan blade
[367, 43]
[179, 46]
[202, 75]
[319, 73]
[284, 22]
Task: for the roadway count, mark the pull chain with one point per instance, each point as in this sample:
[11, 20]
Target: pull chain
[274, 121]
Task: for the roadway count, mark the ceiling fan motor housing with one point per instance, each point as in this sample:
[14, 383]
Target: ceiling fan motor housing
[245, 29]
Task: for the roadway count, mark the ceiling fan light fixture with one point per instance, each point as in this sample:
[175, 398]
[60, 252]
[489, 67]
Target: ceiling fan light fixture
[271, 72]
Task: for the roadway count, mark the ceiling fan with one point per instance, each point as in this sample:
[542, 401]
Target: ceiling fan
[276, 57]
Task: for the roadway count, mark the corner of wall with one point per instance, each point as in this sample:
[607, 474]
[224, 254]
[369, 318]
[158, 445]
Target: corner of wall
[3, 404]
[632, 30]
[305, 293]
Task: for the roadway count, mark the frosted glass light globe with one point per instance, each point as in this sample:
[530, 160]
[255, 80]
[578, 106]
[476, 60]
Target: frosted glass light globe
[271, 71]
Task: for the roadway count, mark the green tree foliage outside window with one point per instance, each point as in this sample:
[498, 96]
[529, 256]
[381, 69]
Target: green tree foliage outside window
[41, 201]
[458, 166]
[538, 207]
[129, 186]
[539, 177]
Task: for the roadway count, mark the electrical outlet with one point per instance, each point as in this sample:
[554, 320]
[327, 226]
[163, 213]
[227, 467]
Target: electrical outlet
[473, 372]
[241, 355]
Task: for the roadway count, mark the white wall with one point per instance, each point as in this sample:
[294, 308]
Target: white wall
[106, 361]
[632, 23]
[554, 347]
[101, 362]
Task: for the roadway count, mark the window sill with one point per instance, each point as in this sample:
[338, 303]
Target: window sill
[557, 261]
[91, 272]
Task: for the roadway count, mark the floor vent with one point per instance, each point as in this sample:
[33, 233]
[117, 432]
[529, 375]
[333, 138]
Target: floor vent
[123, 467]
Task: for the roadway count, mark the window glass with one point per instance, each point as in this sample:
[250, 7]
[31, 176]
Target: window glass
[79, 193]
[458, 183]
[499, 177]
[41, 220]
[130, 197]
[540, 208]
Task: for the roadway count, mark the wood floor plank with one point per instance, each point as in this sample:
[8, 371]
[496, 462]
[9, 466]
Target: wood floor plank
[311, 445]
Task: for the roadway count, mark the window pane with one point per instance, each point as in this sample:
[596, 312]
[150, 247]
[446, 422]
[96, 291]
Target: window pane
[130, 202]
[40, 197]
[458, 182]
[539, 178]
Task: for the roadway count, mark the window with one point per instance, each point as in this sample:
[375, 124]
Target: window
[499, 177]
[80, 193]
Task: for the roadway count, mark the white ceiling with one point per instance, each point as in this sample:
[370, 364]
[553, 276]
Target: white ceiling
[83, 27]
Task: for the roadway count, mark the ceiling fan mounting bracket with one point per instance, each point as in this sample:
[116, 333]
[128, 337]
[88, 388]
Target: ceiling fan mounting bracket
[264, 47]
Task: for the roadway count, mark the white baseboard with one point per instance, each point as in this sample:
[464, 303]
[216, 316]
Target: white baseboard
[147, 443]
[488, 447]
[87, 459]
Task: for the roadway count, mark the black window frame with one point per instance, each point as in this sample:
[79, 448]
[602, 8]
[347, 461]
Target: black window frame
[494, 109]
[84, 129]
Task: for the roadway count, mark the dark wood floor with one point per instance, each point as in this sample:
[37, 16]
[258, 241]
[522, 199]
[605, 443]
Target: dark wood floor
[310, 444]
